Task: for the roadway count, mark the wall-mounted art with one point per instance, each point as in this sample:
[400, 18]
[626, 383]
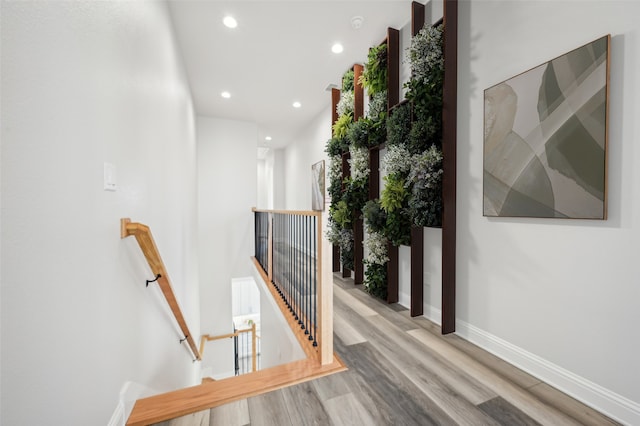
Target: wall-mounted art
[545, 138]
[317, 186]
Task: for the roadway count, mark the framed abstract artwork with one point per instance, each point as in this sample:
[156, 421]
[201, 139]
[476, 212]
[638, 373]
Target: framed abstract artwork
[317, 186]
[545, 138]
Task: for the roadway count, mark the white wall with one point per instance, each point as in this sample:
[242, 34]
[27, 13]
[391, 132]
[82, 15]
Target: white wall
[278, 344]
[271, 184]
[227, 190]
[84, 83]
[565, 291]
[299, 156]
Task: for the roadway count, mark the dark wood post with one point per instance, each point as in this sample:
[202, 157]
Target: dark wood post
[449, 152]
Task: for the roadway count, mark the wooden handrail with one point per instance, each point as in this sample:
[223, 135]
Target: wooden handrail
[142, 233]
[290, 212]
[254, 336]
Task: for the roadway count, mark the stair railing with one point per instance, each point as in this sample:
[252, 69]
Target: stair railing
[289, 253]
[142, 233]
[238, 352]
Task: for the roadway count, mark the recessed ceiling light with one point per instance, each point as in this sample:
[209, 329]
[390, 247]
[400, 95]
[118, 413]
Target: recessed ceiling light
[225, 95]
[297, 104]
[268, 138]
[230, 22]
[337, 48]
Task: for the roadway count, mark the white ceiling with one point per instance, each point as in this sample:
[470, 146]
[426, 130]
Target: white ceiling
[279, 53]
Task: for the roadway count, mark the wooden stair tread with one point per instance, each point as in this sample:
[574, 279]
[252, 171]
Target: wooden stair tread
[211, 394]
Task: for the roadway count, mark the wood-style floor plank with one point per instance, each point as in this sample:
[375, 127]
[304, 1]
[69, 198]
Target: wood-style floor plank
[506, 414]
[405, 351]
[517, 396]
[233, 414]
[345, 331]
[304, 405]
[563, 402]
[269, 409]
[402, 371]
[346, 410]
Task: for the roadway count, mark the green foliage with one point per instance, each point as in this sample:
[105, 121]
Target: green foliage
[355, 194]
[375, 281]
[394, 194]
[425, 207]
[374, 216]
[358, 133]
[427, 108]
[378, 131]
[399, 125]
[425, 203]
[336, 146]
[398, 229]
[347, 81]
[335, 189]
[341, 126]
[422, 135]
[346, 257]
[374, 76]
[341, 214]
[393, 201]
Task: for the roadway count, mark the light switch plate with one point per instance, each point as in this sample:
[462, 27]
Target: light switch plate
[109, 177]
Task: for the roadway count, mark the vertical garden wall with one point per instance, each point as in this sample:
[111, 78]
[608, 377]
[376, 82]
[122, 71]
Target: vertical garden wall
[411, 134]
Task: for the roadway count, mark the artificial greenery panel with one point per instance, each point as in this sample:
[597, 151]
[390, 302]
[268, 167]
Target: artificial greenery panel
[374, 216]
[375, 281]
[374, 76]
[341, 126]
[399, 125]
[347, 81]
[358, 133]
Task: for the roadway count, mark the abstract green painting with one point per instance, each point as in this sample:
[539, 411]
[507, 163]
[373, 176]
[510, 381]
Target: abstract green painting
[545, 138]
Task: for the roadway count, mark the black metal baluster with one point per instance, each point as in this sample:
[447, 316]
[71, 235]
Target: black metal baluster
[309, 268]
[316, 243]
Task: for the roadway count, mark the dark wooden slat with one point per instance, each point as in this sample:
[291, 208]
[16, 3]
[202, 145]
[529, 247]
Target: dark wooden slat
[336, 259]
[417, 270]
[335, 98]
[358, 93]
[449, 152]
[346, 272]
[417, 17]
[393, 66]
[358, 251]
[392, 274]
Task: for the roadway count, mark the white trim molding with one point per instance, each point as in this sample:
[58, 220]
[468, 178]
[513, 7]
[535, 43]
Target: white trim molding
[604, 400]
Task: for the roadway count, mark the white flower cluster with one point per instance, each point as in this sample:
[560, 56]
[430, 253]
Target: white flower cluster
[335, 169]
[426, 170]
[377, 246]
[346, 240]
[397, 160]
[377, 105]
[425, 52]
[333, 232]
[346, 103]
[359, 163]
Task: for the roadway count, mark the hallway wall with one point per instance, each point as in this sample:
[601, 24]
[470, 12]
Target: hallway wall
[558, 297]
[85, 83]
[227, 190]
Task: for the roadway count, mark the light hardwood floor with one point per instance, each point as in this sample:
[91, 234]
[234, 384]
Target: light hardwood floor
[403, 372]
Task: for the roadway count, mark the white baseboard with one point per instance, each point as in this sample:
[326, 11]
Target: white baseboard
[604, 400]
